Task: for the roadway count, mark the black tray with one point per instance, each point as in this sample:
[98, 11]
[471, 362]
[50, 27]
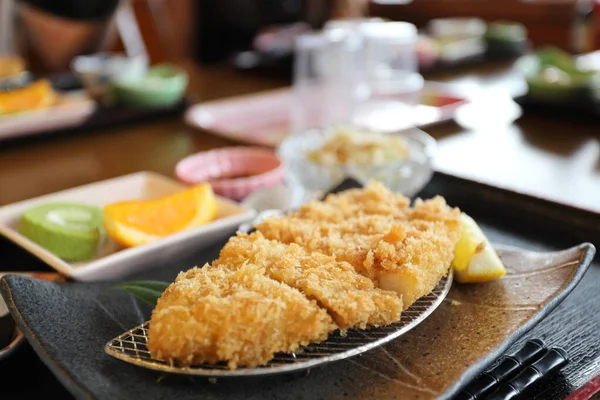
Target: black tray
[103, 117]
[507, 218]
[281, 63]
[585, 108]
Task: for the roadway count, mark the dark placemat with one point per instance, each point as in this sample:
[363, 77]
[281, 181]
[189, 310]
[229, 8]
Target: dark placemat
[409, 365]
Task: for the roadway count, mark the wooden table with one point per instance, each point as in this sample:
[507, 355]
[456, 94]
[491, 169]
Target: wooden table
[538, 155]
[542, 156]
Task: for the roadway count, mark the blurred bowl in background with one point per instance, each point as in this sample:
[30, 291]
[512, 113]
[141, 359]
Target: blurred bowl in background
[458, 38]
[506, 32]
[13, 72]
[552, 75]
[506, 37]
[308, 179]
[233, 172]
[162, 86]
[11, 65]
[595, 87]
[16, 81]
[460, 27]
[96, 71]
[350, 23]
[428, 51]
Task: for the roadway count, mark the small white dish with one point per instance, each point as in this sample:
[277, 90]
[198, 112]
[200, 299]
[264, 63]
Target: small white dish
[308, 180]
[457, 27]
[273, 198]
[98, 70]
[112, 261]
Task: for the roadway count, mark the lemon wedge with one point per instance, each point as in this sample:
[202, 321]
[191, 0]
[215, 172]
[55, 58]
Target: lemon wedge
[475, 260]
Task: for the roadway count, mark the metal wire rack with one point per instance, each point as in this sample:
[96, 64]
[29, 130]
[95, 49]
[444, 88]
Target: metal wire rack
[131, 347]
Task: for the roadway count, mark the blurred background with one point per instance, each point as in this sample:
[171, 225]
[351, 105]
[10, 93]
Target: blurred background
[470, 67]
[211, 31]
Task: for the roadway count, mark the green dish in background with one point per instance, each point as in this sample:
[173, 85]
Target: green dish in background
[505, 32]
[506, 36]
[553, 75]
[163, 85]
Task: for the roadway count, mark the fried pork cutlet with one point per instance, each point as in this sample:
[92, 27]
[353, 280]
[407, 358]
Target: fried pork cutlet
[350, 240]
[373, 199]
[350, 298]
[407, 250]
[353, 260]
[240, 316]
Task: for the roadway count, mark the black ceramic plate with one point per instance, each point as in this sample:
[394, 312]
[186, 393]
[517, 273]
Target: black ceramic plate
[68, 325]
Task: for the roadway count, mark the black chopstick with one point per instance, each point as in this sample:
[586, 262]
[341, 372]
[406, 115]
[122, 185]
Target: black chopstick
[551, 362]
[509, 367]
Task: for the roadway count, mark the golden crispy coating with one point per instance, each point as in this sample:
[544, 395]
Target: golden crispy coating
[407, 250]
[351, 299]
[349, 240]
[353, 260]
[374, 199]
[240, 316]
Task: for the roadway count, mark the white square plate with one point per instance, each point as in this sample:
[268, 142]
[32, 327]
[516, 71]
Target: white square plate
[112, 261]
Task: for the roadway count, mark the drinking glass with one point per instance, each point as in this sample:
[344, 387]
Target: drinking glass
[327, 78]
[392, 85]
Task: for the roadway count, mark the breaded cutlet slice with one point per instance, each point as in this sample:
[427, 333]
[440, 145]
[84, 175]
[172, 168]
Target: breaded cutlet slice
[407, 252]
[240, 316]
[373, 199]
[411, 261]
[349, 241]
[350, 298]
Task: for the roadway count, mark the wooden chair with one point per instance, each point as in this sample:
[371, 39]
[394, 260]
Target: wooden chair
[138, 27]
[167, 28]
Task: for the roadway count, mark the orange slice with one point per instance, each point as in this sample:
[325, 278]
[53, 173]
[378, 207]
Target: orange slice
[132, 223]
[37, 95]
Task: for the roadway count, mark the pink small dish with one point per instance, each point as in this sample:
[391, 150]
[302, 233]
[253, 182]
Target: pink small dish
[233, 172]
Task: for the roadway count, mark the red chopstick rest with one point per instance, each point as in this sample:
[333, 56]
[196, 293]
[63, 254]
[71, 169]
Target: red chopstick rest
[586, 391]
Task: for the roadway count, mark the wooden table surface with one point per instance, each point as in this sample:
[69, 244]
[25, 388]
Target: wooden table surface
[539, 155]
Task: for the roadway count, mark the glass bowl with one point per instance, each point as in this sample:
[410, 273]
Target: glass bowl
[308, 179]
